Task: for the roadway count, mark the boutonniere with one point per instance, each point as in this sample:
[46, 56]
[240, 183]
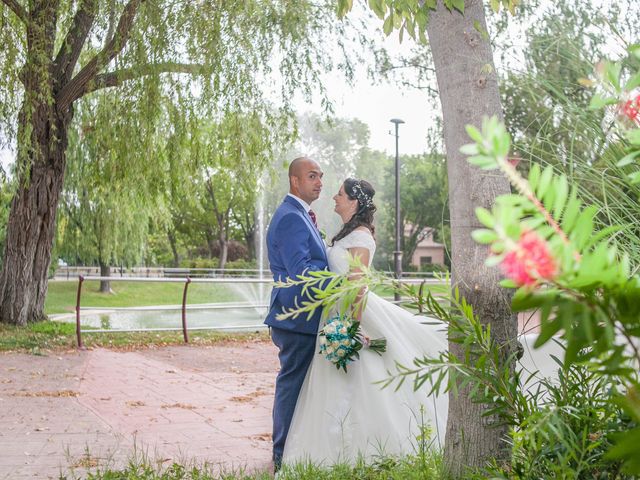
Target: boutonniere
[323, 234]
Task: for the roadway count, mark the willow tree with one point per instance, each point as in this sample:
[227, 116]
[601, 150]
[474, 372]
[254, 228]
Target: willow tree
[107, 207]
[468, 91]
[56, 52]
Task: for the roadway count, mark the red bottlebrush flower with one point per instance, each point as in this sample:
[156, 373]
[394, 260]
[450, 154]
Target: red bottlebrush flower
[530, 261]
[631, 109]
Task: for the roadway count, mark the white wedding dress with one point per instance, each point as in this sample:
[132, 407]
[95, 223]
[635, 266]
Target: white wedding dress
[341, 417]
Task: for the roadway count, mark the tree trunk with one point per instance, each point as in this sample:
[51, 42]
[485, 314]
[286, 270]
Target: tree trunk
[224, 249]
[31, 223]
[468, 91]
[250, 239]
[174, 248]
[105, 271]
[42, 134]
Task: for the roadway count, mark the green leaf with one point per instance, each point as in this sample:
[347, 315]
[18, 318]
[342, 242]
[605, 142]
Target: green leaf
[458, 5]
[584, 226]
[480, 30]
[387, 26]
[562, 190]
[534, 176]
[627, 159]
[474, 133]
[469, 149]
[571, 211]
[483, 162]
[484, 236]
[485, 217]
[634, 136]
[598, 101]
[545, 181]
[633, 82]
[379, 7]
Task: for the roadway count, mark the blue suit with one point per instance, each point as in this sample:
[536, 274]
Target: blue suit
[295, 246]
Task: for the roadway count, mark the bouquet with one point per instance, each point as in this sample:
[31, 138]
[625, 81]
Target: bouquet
[341, 340]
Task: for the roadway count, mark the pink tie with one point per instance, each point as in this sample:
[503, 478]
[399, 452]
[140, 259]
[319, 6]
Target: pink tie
[313, 218]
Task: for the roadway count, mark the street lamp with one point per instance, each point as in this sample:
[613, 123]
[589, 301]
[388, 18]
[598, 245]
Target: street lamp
[397, 254]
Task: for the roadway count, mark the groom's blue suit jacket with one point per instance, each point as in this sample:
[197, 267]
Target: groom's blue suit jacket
[295, 246]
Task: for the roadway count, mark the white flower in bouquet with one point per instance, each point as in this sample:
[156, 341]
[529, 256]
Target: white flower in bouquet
[341, 340]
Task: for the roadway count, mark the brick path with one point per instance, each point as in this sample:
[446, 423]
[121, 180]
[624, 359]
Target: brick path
[68, 412]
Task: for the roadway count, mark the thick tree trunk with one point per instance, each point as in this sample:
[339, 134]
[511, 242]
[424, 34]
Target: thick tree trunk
[468, 89]
[42, 134]
[105, 271]
[31, 225]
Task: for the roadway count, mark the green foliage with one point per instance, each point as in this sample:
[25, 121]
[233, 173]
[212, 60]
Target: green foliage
[412, 16]
[570, 431]
[5, 202]
[592, 298]
[546, 101]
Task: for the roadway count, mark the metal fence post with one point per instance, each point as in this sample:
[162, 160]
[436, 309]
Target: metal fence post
[78, 334]
[184, 311]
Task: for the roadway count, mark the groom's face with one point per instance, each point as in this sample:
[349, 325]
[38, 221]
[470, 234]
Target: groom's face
[306, 183]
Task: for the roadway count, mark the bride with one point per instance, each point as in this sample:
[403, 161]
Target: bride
[342, 417]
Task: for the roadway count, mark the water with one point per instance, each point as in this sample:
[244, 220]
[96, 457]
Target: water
[216, 316]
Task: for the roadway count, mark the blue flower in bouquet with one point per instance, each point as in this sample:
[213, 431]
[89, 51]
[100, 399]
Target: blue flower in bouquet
[341, 340]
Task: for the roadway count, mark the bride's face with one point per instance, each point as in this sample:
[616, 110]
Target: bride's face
[345, 207]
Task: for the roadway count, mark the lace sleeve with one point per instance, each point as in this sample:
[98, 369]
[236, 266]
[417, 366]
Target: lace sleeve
[360, 239]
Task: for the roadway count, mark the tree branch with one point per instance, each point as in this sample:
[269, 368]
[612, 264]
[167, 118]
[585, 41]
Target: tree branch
[118, 77]
[74, 41]
[75, 87]
[18, 9]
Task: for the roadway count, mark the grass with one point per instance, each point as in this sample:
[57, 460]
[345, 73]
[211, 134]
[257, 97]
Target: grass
[38, 338]
[61, 296]
[421, 467]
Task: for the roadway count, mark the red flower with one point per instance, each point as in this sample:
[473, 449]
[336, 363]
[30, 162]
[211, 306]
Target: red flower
[631, 109]
[530, 261]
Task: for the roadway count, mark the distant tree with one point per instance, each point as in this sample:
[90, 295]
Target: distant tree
[55, 53]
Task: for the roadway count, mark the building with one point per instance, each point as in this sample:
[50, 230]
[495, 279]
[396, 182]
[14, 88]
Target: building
[428, 252]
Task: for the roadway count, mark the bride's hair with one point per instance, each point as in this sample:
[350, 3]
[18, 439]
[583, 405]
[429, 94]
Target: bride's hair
[363, 192]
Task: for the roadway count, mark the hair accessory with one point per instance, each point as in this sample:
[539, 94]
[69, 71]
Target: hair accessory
[363, 198]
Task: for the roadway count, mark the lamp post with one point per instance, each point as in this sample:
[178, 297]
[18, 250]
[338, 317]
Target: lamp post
[397, 254]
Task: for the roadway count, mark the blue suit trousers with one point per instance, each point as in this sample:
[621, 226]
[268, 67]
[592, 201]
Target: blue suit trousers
[295, 355]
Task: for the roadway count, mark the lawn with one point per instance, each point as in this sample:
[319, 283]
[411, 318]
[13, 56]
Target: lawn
[61, 296]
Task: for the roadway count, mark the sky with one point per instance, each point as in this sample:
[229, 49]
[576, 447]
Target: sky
[376, 104]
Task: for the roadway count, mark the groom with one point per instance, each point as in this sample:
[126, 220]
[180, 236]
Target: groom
[295, 247]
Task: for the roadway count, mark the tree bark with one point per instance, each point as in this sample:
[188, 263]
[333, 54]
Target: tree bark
[224, 250]
[173, 242]
[468, 91]
[105, 271]
[42, 130]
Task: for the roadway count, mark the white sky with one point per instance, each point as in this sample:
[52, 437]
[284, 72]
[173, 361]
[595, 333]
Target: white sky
[376, 104]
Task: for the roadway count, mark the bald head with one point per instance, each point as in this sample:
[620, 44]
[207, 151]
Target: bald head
[305, 179]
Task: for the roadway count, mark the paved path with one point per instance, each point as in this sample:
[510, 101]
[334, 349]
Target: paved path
[69, 412]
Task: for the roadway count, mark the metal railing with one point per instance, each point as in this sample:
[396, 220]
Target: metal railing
[183, 307]
[73, 272]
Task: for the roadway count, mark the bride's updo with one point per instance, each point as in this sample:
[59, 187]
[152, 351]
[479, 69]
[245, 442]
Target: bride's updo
[363, 192]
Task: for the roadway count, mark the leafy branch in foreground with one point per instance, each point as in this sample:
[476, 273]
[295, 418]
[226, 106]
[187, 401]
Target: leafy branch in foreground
[328, 291]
